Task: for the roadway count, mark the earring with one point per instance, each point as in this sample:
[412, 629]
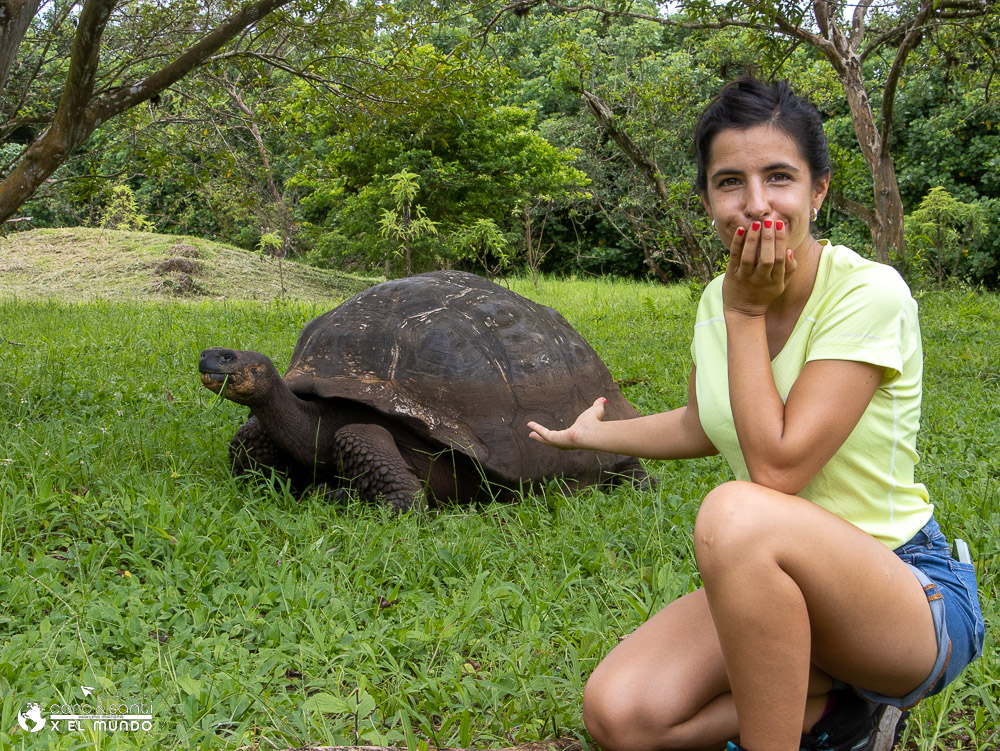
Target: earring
[815, 214]
[713, 222]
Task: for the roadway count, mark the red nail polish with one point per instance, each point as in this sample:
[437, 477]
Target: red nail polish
[767, 224]
[779, 226]
[740, 232]
[755, 226]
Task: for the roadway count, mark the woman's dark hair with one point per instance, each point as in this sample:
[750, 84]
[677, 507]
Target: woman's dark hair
[748, 102]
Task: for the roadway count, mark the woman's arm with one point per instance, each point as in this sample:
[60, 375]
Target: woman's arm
[676, 434]
[784, 443]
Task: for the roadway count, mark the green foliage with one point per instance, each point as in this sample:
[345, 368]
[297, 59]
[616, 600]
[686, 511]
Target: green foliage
[339, 97]
[654, 82]
[940, 235]
[484, 243]
[405, 222]
[951, 136]
[122, 212]
[270, 243]
[479, 164]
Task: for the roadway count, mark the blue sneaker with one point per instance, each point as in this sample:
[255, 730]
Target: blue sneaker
[853, 725]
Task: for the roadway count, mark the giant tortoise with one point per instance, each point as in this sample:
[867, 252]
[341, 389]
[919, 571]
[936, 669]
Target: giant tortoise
[419, 390]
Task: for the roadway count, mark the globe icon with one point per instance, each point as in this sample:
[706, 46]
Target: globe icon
[30, 718]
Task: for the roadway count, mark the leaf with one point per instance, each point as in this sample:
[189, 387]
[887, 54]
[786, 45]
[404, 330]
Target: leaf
[326, 703]
[189, 685]
[366, 704]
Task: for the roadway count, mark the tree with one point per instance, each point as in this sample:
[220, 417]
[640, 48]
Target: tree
[941, 232]
[474, 159]
[685, 246]
[626, 96]
[886, 33]
[97, 85]
[484, 242]
[405, 221]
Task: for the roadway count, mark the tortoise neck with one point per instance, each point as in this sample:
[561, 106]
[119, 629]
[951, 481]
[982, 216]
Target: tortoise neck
[299, 426]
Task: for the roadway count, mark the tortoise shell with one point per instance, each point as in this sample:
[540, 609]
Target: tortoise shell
[467, 363]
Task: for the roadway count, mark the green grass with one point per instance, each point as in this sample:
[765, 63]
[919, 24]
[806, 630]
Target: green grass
[133, 563]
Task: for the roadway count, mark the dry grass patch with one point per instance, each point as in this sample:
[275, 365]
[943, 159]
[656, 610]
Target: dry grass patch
[79, 264]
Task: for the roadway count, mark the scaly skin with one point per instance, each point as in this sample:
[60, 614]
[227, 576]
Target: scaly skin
[370, 461]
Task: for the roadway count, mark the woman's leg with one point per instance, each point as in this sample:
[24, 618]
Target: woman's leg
[665, 686]
[791, 585]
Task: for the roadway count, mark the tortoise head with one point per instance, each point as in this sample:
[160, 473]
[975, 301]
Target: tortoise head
[241, 376]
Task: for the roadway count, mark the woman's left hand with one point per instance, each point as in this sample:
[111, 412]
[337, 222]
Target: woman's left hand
[577, 435]
[759, 268]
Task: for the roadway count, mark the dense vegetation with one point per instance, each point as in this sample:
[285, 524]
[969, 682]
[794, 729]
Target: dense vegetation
[246, 618]
[404, 136]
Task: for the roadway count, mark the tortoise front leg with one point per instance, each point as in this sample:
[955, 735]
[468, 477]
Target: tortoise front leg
[370, 460]
[253, 450]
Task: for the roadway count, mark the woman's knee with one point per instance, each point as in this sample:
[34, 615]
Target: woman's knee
[612, 710]
[734, 521]
[620, 713]
[607, 710]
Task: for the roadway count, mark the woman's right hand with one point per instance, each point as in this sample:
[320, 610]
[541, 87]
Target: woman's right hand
[576, 435]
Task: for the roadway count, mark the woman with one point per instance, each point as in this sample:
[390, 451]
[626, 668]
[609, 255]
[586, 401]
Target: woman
[822, 565]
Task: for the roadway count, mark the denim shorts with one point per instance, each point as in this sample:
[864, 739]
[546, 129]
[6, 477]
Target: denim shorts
[953, 596]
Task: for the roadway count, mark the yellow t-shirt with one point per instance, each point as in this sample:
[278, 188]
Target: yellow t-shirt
[861, 311]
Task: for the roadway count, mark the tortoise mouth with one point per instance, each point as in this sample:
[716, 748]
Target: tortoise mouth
[214, 381]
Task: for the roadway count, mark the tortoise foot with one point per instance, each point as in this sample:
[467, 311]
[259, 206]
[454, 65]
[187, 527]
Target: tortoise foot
[370, 461]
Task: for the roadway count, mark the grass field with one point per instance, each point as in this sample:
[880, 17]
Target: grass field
[240, 616]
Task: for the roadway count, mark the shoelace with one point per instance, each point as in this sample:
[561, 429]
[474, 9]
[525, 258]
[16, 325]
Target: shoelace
[820, 744]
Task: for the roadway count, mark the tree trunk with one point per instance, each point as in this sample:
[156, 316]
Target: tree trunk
[258, 139]
[886, 222]
[647, 253]
[79, 114]
[72, 122]
[606, 120]
[284, 218]
[526, 214]
[15, 18]
[406, 222]
[887, 234]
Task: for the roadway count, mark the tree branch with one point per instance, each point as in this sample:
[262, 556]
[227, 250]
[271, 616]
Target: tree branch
[634, 153]
[913, 36]
[858, 23]
[606, 120]
[778, 24]
[79, 114]
[853, 208]
[821, 9]
[326, 84]
[15, 19]
[127, 97]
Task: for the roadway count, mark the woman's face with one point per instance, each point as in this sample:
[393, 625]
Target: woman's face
[758, 175]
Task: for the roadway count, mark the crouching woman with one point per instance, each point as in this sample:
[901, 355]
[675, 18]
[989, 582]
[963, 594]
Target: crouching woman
[829, 590]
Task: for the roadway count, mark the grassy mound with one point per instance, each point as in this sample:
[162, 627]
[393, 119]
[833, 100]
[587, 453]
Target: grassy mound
[78, 264]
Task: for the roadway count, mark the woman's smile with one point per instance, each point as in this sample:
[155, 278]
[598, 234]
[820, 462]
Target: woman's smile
[758, 175]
